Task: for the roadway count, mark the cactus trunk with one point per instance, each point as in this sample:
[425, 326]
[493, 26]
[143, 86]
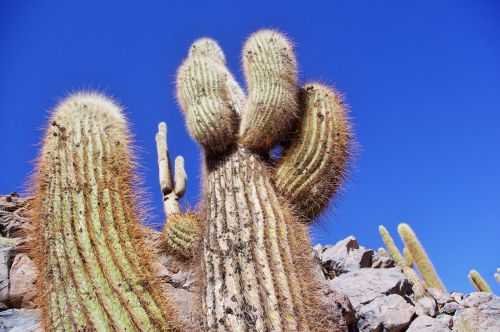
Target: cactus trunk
[255, 258]
[95, 271]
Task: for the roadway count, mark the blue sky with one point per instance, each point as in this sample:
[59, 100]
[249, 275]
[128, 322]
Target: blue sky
[423, 82]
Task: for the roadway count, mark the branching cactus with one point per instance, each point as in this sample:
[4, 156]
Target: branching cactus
[95, 269]
[256, 255]
[478, 282]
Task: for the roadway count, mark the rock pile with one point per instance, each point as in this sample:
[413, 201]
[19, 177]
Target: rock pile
[373, 293]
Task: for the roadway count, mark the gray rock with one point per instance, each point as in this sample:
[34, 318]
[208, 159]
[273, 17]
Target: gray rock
[426, 306]
[450, 308]
[428, 324]
[345, 256]
[441, 297]
[446, 319]
[23, 274]
[481, 313]
[382, 260]
[385, 313]
[364, 285]
[5, 254]
[20, 320]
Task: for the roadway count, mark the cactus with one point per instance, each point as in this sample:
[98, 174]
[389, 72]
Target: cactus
[497, 275]
[181, 234]
[401, 261]
[478, 282]
[256, 255]
[314, 167]
[408, 257]
[96, 273]
[420, 257]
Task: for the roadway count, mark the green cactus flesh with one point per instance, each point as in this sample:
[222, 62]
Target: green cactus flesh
[96, 273]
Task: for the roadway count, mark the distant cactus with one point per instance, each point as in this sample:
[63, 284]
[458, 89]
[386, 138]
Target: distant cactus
[257, 260]
[497, 275]
[478, 282]
[421, 260]
[408, 257]
[95, 269]
[401, 261]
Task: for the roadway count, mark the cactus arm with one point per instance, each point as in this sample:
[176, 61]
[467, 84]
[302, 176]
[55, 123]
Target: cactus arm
[270, 69]
[202, 83]
[172, 187]
[420, 257]
[181, 232]
[400, 260]
[314, 165]
[95, 265]
[497, 275]
[478, 282]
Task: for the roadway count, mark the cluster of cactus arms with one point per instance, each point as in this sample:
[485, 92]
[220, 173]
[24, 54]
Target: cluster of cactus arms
[249, 235]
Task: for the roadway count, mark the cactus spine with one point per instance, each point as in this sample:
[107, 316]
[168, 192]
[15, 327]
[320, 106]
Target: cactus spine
[257, 261]
[478, 282]
[420, 257]
[401, 261]
[95, 273]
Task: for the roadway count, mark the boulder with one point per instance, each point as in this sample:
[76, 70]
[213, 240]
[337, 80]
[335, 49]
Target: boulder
[480, 313]
[23, 274]
[20, 320]
[5, 255]
[385, 313]
[364, 285]
[345, 256]
[428, 324]
[426, 306]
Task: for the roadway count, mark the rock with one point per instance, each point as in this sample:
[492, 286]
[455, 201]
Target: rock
[450, 308]
[481, 313]
[446, 319]
[441, 297]
[20, 320]
[382, 260]
[364, 285]
[333, 301]
[23, 274]
[345, 256]
[5, 255]
[457, 297]
[426, 306]
[428, 324]
[385, 313]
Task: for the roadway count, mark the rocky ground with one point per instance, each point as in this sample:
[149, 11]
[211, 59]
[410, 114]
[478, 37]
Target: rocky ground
[374, 295]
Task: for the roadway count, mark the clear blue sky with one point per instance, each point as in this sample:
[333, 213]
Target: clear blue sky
[423, 81]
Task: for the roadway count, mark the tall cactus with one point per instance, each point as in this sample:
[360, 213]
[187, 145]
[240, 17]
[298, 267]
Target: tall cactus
[420, 257]
[404, 263]
[257, 259]
[95, 269]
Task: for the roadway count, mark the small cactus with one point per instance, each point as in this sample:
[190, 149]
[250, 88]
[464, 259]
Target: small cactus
[95, 270]
[182, 234]
[420, 257]
[478, 282]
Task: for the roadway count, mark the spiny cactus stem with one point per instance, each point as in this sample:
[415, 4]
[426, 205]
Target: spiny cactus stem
[172, 187]
[478, 282]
